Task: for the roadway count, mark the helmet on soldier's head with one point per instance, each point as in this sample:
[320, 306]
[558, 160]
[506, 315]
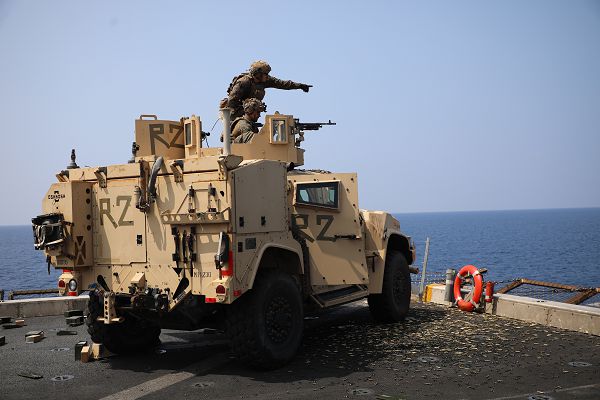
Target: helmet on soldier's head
[260, 67]
[252, 105]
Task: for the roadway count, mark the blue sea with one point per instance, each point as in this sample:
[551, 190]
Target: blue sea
[560, 245]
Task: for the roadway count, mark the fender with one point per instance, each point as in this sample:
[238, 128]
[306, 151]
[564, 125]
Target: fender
[400, 242]
[382, 234]
[292, 247]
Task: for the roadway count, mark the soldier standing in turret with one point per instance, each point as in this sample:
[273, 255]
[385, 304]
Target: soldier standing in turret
[244, 128]
[252, 84]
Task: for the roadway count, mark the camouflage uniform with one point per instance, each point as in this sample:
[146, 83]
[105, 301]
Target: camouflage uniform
[243, 130]
[244, 87]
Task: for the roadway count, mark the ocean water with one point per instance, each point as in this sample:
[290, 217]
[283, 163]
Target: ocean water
[561, 245]
[21, 266]
[551, 245]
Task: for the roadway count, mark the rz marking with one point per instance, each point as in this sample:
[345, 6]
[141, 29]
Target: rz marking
[104, 207]
[157, 132]
[300, 222]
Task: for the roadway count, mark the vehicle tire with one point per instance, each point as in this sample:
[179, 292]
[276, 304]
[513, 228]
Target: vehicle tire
[265, 325]
[393, 303]
[133, 335]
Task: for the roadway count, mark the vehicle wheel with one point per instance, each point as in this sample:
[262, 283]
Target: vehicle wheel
[392, 304]
[130, 336]
[265, 325]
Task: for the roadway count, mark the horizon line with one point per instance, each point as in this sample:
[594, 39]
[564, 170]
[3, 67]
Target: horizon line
[499, 209]
[450, 211]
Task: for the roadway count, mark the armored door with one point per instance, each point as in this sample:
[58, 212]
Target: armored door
[326, 215]
[119, 228]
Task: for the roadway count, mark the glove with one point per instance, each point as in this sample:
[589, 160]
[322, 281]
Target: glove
[305, 88]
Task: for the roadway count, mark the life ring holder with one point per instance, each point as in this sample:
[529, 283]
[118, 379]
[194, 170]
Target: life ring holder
[466, 271]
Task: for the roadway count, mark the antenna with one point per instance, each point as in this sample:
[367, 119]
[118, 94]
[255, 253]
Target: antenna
[73, 164]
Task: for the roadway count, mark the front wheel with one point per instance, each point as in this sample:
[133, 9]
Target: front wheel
[265, 325]
[393, 303]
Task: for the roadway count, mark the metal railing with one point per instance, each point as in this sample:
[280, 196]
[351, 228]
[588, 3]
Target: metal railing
[570, 294]
[14, 293]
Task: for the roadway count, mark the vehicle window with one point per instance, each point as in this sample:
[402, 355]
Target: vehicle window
[188, 134]
[322, 194]
[278, 131]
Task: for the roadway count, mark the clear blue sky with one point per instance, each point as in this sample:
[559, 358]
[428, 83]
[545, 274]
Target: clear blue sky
[462, 105]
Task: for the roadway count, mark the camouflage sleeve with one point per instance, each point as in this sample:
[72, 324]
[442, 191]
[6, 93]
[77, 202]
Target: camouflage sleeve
[239, 92]
[273, 82]
[245, 138]
[240, 127]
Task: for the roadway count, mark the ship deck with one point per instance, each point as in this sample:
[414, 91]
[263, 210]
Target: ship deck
[436, 352]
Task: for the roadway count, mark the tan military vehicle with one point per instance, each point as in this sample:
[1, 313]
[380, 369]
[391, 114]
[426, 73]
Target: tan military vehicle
[184, 235]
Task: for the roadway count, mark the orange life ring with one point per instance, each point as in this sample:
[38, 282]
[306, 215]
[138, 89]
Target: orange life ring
[468, 270]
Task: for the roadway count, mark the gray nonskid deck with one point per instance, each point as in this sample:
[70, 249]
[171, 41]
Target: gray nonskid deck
[436, 353]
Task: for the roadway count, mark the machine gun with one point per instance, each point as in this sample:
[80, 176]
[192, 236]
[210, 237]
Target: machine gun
[300, 127]
[310, 126]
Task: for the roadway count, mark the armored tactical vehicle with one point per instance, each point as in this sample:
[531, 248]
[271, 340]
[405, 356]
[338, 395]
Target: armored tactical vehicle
[183, 236]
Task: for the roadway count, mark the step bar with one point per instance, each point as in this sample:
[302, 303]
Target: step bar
[341, 296]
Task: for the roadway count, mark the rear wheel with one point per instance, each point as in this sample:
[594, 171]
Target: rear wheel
[130, 336]
[265, 325]
[393, 303]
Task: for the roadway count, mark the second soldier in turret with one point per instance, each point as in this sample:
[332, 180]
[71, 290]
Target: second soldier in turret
[244, 128]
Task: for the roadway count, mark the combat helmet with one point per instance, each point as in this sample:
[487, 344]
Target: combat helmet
[260, 67]
[252, 105]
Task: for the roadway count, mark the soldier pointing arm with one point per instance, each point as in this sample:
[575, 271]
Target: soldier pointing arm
[252, 84]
